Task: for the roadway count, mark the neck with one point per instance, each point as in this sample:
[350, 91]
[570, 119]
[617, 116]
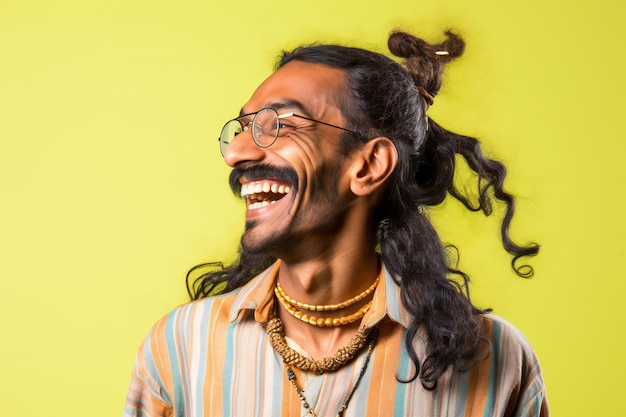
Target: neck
[329, 266]
[346, 267]
[329, 281]
[341, 274]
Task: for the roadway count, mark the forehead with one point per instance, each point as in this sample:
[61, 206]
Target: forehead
[315, 88]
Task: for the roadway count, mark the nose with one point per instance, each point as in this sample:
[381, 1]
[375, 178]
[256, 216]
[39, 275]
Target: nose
[243, 149]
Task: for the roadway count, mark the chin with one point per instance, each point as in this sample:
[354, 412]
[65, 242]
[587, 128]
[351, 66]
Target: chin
[256, 244]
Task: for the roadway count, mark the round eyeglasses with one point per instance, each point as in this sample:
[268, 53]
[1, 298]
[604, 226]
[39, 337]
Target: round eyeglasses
[266, 126]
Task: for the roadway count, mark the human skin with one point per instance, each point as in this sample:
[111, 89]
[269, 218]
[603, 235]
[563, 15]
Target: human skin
[322, 229]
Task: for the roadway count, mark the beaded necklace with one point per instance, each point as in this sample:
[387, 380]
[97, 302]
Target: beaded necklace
[309, 410]
[292, 305]
[320, 321]
[275, 331]
[291, 357]
[327, 307]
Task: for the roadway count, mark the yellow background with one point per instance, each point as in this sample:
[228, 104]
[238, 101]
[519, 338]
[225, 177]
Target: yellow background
[112, 185]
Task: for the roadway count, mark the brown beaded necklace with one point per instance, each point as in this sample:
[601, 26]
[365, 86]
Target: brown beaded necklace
[276, 334]
[275, 331]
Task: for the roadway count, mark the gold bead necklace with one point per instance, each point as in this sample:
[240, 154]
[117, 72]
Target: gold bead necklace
[327, 307]
[320, 321]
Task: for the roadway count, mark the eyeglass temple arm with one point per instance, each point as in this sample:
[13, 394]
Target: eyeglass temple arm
[280, 116]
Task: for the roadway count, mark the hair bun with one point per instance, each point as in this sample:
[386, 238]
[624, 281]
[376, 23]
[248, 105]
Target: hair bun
[424, 60]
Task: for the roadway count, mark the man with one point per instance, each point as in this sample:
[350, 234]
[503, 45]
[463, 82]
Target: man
[341, 302]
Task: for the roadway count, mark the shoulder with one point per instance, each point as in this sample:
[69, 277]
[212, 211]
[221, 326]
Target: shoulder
[195, 316]
[161, 364]
[510, 349]
[505, 338]
[172, 337]
[513, 363]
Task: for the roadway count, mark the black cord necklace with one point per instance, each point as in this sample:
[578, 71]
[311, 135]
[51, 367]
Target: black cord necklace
[309, 410]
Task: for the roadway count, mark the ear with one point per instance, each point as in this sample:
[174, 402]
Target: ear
[372, 164]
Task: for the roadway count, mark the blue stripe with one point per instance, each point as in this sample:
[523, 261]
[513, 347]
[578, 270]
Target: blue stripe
[228, 368]
[405, 366]
[463, 390]
[277, 369]
[496, 337]
[152, 369]
[359, 402]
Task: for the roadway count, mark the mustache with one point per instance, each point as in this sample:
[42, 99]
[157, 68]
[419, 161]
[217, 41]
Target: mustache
[258, 172]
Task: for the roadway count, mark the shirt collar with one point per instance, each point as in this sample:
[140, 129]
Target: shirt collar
[258, 296]
[386, 303]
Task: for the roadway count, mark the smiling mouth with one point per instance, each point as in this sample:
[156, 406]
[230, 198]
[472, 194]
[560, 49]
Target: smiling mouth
[260, 194]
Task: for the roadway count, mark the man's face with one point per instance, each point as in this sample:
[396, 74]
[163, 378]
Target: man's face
[296, 189]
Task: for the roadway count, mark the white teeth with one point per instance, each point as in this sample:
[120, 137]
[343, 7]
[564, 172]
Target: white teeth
[257, 205]
[263, 187]
[260, 204]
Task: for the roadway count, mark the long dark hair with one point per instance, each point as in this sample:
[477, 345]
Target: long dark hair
[388, 98]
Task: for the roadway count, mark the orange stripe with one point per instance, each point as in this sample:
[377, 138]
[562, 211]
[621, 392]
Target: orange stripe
[479, 382]
[382, 384]
[291, 400]
[158, 346]
[215, 357]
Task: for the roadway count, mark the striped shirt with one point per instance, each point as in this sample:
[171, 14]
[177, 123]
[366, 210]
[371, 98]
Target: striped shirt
[212, 357]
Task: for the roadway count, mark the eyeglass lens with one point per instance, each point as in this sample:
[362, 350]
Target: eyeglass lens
[264, 129]
[231, 129]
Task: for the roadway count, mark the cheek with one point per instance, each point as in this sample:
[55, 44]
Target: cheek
[323, 186]
[317, 161]
[298, 146]
[303, 153]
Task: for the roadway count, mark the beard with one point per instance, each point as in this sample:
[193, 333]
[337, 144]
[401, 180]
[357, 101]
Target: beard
[321, 214]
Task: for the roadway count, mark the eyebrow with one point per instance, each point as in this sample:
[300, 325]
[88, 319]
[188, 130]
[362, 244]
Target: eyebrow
[283, 104]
